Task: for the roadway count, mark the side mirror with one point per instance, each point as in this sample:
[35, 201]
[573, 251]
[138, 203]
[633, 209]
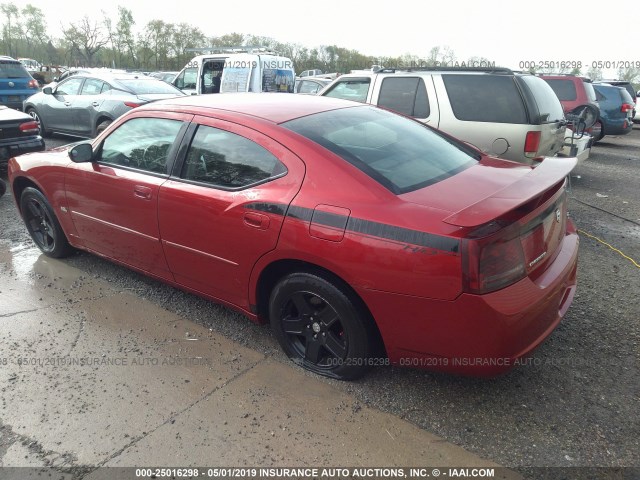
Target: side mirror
[81, 153]
[47, 90]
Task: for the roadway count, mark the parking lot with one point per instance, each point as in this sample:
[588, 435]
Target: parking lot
[575, 404]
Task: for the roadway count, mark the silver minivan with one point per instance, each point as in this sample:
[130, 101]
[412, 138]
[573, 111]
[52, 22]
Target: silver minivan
[505, 114]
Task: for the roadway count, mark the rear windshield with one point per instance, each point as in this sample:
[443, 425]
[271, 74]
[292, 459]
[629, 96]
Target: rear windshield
[565, 89]
[9, 69]
[485, 98]
[400, 154]
[141, 87]
[549, 107]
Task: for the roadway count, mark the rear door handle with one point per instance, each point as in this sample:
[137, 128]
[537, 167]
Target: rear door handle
[256, 220]
[140, 191]
[68, 104]
[95, 104]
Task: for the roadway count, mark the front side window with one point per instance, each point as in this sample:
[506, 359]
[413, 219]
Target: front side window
[70, 86]
[226, 160]
[405, 95]
[142, 143]
[399, 153]
[353, 89]
[187, 78]
[485, 98]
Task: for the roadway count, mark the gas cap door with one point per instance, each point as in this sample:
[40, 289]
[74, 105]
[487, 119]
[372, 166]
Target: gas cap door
[329, 222]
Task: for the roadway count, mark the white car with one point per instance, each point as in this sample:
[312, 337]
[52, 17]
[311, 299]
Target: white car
[637, 117]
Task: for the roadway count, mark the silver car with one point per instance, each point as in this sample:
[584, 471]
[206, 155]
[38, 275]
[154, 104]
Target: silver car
[85, 104]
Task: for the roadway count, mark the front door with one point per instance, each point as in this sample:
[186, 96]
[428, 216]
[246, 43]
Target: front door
[114, 200]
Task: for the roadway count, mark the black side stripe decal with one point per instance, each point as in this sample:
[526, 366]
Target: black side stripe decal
[360, 226]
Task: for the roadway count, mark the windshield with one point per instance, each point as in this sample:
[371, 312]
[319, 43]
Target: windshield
[12, 70]
[141, 87]
[401, 154]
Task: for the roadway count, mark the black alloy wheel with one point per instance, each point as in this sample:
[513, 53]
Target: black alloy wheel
[320, 327]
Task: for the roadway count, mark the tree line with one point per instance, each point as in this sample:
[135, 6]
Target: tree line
[163, 46]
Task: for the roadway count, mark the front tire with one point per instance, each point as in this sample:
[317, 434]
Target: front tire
[44, 133]
[320, 327]
[102, 126]
[42, 224]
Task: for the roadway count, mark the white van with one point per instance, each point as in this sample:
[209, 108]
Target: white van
[236, 72]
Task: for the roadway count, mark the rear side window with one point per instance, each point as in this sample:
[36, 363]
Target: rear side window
[355, 89]
[485, 98]
[549, 107]
[9, 69]
[565, 89]
[92, 86]
[226, 160]
[406, 95]
[399, 153]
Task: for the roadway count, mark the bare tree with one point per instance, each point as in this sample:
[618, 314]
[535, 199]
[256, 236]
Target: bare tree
[85, 38]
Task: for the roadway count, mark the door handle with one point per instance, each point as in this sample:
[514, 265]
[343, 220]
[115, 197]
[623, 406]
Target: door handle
[256, 220]
[95, 104]
[140, 191]
[68, 104]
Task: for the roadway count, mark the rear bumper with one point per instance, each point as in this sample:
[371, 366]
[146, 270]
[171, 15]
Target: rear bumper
[618, 127]
[480, 335]
[13, 147]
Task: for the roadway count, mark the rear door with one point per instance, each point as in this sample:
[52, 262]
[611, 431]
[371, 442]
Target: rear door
[224, 208]
[85, 106]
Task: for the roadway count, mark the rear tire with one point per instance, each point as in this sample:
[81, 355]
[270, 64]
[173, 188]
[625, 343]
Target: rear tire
[42, 224]
[598, 127]
[319, 327]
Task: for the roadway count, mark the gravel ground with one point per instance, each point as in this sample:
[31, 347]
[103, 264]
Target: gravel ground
[576, 404]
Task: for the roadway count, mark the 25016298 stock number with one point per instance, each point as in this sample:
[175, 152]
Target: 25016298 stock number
[196, 472]
[547, 64]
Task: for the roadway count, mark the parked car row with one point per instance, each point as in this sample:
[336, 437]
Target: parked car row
[499, 112]
[512, 115]
[85, 104]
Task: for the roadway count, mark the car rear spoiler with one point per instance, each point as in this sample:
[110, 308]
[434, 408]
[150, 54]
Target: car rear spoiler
[549, 172]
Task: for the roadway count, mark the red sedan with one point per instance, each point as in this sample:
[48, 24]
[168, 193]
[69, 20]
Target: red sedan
[363, 237]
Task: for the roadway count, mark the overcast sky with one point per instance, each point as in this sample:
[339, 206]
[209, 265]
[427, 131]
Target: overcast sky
[506, 32]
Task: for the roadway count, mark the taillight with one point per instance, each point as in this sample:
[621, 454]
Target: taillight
[493, 262]
[531, 144]
[132, 105]
[29, 127]
[33, 83]
[626, 107]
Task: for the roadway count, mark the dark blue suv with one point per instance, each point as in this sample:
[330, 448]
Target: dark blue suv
[616, 109]
[16, 84]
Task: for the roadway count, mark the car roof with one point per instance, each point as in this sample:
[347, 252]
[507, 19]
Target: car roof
[273, 107]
